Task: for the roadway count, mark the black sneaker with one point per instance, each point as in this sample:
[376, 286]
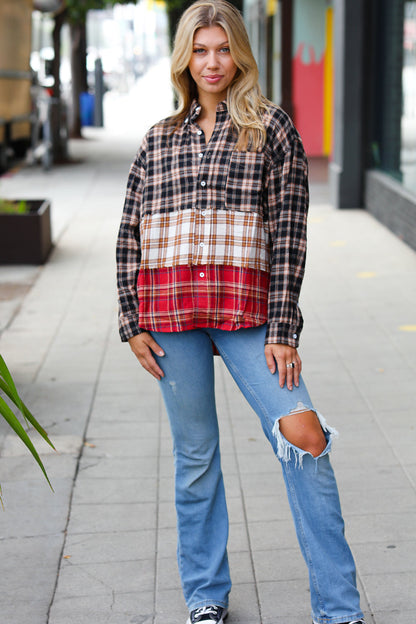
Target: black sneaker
[211, 614]
[352, 622]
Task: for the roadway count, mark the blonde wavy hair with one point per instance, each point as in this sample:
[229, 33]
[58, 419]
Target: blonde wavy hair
[245, 101]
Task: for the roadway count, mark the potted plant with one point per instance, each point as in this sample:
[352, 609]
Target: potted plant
[7, 386]
[25, 231]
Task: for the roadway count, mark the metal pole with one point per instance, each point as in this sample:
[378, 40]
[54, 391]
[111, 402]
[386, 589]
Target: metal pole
[99, 94]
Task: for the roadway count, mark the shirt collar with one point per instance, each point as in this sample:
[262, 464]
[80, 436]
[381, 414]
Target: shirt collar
[195, 110]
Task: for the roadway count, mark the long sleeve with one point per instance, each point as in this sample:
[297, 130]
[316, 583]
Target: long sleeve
[128, 250]
[287, 200]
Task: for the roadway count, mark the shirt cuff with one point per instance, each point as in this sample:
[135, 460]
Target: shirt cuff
[128, 327]
[282, 333]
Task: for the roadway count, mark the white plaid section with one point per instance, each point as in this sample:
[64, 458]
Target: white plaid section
[204, 237]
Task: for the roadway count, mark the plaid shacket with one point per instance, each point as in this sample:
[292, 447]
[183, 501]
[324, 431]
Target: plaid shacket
[211, 236]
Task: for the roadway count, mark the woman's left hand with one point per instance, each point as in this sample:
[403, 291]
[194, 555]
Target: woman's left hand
[282, 356]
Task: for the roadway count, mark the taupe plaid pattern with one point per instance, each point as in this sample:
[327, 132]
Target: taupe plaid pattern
[192, 202]
[204, 237]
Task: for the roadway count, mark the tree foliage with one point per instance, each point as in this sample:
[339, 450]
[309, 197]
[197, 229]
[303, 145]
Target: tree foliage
[175, 8]
[181, 5]
[78, 9]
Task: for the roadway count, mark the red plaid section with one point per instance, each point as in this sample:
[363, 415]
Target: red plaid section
[179, 298]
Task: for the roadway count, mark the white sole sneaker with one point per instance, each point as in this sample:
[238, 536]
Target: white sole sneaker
[221, 621]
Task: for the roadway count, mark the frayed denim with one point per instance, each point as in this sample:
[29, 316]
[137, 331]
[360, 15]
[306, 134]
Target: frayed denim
[188, 392]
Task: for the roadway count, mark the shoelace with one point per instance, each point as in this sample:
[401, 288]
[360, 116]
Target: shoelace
[210, 610]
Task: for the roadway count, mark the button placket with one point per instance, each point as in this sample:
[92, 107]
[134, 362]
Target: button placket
[200, 153]
[203, 167]
[197, 237]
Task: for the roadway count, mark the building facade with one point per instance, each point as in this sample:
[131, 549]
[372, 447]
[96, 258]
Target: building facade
[293, 44]
[346, 72]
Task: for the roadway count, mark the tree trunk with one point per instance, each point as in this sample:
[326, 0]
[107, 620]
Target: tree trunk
[57, 113]
[56, 63]
[79, 74]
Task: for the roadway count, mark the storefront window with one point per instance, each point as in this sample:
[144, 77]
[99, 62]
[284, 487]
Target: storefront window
[408, 129]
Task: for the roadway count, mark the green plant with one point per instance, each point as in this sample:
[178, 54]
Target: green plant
[9, 206]
[8, 387]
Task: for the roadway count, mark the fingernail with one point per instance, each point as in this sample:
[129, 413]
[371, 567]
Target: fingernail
[160, 353]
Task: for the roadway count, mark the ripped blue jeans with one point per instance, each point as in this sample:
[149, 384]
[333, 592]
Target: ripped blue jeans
[202, 520]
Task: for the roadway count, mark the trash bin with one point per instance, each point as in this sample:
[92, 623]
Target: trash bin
[86, 105]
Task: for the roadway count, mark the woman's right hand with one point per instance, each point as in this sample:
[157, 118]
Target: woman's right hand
[143, 347]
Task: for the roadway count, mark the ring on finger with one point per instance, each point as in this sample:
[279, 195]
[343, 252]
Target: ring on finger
[290, 365]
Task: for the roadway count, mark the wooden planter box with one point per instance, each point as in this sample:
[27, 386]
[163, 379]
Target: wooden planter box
[26, 238]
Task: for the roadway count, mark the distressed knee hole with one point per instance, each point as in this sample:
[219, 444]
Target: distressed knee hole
[300, 407]
[304, 430]
[296, 439]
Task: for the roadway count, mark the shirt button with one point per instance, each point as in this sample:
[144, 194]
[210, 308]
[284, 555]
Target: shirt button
[199, 132]
[203, 183]
[202, 274]
[295, 336]
[203, 213]
[201, 155]
[201, 244]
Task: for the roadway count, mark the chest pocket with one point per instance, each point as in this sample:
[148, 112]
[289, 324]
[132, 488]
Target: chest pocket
[243, 191]
[170, 179]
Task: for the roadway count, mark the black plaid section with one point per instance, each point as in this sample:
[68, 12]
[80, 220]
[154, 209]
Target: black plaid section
[287, 203]
[128, 252]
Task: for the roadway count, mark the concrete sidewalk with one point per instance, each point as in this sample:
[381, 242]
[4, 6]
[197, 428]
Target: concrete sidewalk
[101, 548]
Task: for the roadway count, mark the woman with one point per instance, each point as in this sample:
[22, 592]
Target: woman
[211, 253]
